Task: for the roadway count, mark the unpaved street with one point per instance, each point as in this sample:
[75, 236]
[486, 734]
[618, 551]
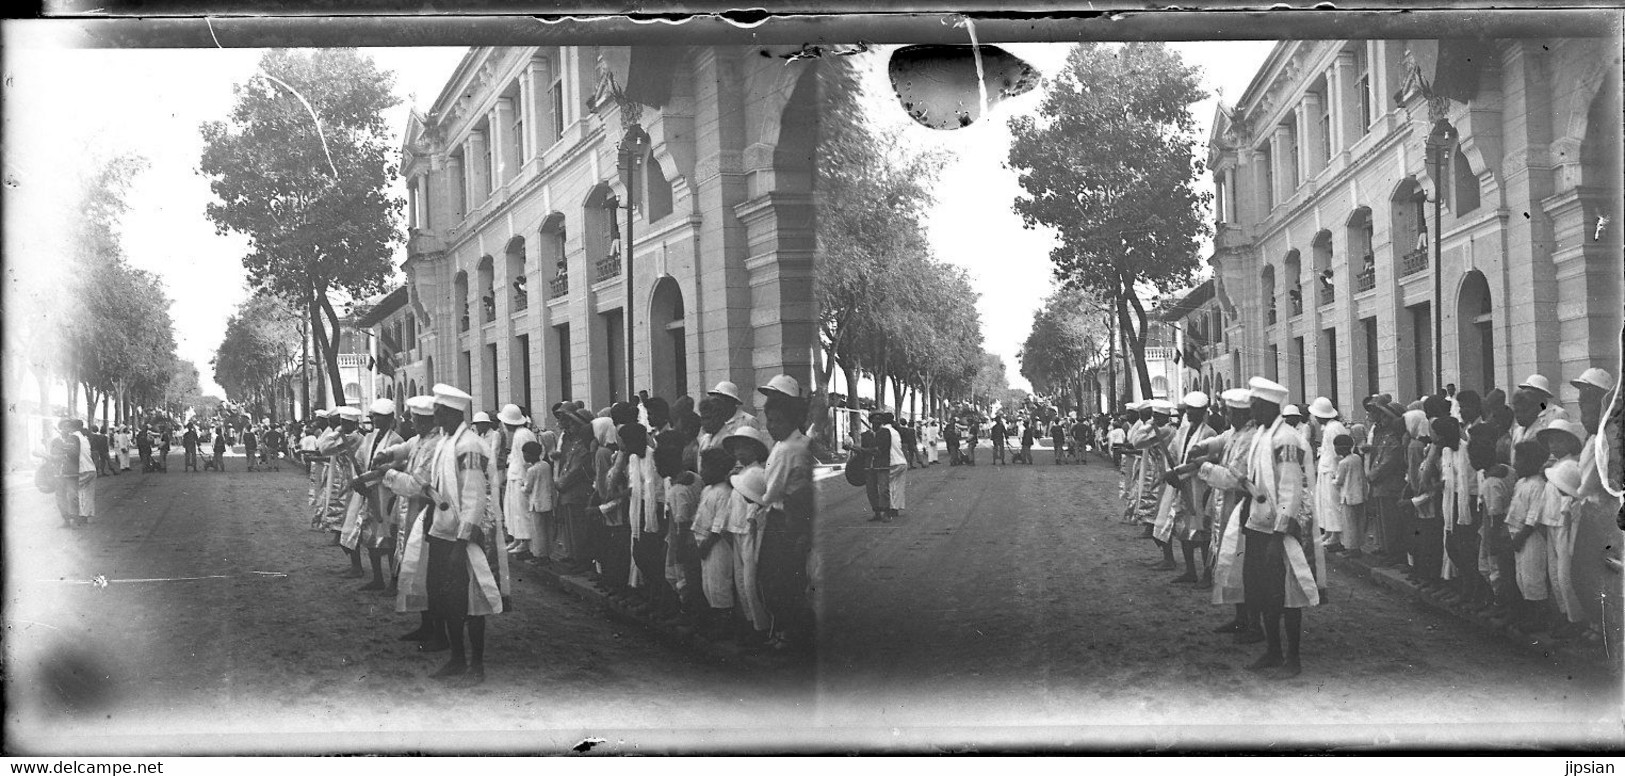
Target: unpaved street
[1012, 601]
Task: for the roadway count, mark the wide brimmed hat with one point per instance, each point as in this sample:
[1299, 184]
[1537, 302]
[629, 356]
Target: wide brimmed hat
[1562, 426]
[751, 483]
[1565, 476]
[1322, 408]
[1291, 411]
[783, 384]
[747, 435]
[481, 417]
[511, 415]
[728, 390]
[1595, 378]
[1538, 383]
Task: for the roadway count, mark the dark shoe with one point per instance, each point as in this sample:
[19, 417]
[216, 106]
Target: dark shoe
[1249, 637]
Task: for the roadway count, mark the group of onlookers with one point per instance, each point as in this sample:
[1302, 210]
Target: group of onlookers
[697, 513]
[1483, 498]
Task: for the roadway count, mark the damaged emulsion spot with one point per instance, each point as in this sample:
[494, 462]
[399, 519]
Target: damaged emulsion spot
[937, 85]
[586, 745]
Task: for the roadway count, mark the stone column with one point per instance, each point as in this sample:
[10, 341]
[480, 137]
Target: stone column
[1346, 129]
[500, 119]
[722, 314]
[1281, 164]
[1315, 153]
[457, 182]
[1531, 278]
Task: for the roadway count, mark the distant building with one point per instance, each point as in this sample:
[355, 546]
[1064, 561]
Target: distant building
[1325, 213]
[1198, 323]
[518, 179]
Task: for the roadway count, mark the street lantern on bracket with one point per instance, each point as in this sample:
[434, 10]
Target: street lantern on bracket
[634, 146]
[1440, 142]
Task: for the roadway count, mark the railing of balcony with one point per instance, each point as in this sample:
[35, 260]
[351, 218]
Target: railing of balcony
[606, 268]
[558, 286]
[521, 294]
[352, 360]
[1365, 280]
[1328, 294]
[1413, 262]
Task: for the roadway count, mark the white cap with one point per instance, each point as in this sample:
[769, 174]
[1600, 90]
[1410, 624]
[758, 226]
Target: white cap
[784, 384]
[382, 407]
[449, 396]
[511, 415]
[1322, 408]
[1237, 398]
[1162, 406]
[1268, 390]
[1594, 377]
[727, 389]
[421, 405]
[1539, 383]
[481, 417]
[348, 413]
[1195, 399]
[752, 483]
[1565, 476]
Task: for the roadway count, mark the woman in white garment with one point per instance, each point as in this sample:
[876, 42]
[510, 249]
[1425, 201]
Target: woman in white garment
[515, 507]
[1328, 507]
[121, 443]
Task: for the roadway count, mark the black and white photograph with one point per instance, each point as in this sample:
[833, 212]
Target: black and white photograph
[848, 383]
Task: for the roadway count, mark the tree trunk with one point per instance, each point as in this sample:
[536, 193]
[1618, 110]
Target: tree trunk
[334, 374]
[897, 393]
[850, 374]
[1140, 332]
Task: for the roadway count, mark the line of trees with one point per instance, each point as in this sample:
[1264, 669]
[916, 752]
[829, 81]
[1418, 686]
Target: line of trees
[1068, 343]
[261, 347]
[302, 168]
[1109, 162]
[889, 309]
[87, 317]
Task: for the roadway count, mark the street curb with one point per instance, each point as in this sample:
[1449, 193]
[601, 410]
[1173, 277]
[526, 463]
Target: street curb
[1394, 580]
[682, 635]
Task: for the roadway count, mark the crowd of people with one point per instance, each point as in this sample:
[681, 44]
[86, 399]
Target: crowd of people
[1476, 497]
[697, 513]
[80, 453]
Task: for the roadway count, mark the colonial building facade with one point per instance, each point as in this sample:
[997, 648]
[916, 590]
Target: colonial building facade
[1327, 253]
[540, 175]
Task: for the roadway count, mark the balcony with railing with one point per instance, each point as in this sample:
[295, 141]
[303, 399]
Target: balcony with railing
[1328, 292]
[606, 268]
[1159, 354]
[488, 306]
[1366, 279]
[521, 294]
[558, 286]
[1413, 262]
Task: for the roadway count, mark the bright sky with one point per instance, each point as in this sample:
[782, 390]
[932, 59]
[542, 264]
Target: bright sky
[973, 224]
[66, 107]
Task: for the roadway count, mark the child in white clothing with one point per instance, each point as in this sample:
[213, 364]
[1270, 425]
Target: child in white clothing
[714, 543]
[1351, 492]
[747, 515]
[538, 490]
